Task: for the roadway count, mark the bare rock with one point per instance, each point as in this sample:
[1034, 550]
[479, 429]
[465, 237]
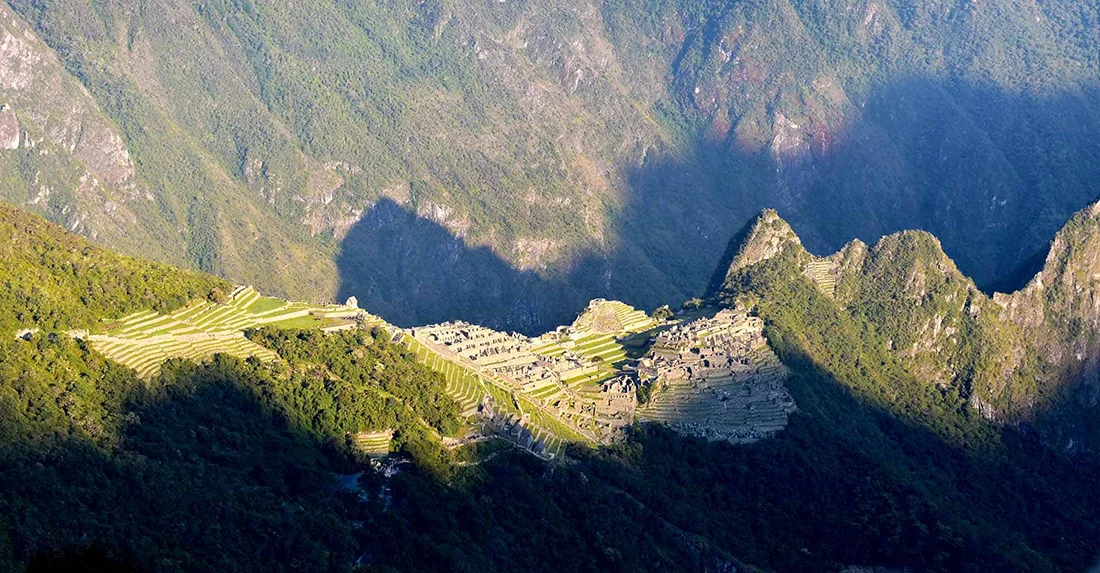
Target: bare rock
[9, 129]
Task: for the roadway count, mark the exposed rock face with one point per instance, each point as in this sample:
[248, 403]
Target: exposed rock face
[58, 109]
[1015, 357]
[763, 238]
[79, 174]
[1059, 309]
[577, 163]
[9, 129]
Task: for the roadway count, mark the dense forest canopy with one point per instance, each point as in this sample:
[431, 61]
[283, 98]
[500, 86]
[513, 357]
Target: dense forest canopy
[53, 280]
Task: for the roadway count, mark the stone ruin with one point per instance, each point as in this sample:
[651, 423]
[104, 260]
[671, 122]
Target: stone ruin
[618, 397]
[710, 377]
[509, 356]
[716, 378]
[515, 429]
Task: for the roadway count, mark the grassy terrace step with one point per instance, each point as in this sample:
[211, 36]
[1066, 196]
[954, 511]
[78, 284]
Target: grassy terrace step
[373, 443]
[596, 347]
[144, 340]
[547, 392]
[147, 358]
[265, 304]
[464, 385]
[469, 387]
[613, 315]
[820, 271]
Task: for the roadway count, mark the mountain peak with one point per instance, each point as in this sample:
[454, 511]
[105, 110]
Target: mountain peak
[762, 238]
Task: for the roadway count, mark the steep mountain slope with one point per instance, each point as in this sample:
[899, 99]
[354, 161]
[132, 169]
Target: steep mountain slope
[102, 468]
[54, 280]
[888, 459]
[1025, 358]
[913, 442]
[599, 147]
[99, 160]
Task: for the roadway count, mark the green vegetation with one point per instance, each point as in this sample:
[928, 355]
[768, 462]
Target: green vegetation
[179, 472]
[94, 457]
[265, 304]
[53, 280]
[144, 340]
[363, 359]
[259, 131]
[951, 469]
[881, 464]
[465, 386]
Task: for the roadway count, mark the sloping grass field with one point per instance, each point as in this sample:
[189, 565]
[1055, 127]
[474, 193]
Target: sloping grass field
[144, 340]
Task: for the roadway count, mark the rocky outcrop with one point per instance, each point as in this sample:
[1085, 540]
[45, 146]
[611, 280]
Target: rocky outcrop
[1013, 358]
[9, 129]
[78, 172]
[763, 238]
[1059, 309]
[56, 108]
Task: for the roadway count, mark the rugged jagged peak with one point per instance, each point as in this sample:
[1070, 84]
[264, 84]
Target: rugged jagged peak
[1073, 259]
[1060, 306]
[768, 236]
[932, 316]
[911, 296]
[917, 257]
[847, 262]
[761, 239]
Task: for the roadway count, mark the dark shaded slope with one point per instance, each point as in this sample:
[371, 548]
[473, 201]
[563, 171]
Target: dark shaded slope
[991, 173]
[411, 270]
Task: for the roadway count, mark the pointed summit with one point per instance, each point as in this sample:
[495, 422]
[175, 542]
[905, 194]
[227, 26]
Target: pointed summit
[761, 239]
[1060, 307]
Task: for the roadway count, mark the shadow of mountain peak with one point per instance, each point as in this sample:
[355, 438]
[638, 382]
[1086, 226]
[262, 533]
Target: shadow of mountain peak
[411, 270]
[993, 173]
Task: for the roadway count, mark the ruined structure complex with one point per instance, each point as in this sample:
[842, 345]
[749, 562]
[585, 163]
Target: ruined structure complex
[716, 378]
[709, 376]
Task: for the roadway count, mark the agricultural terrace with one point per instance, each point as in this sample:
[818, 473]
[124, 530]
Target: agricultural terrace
[822, 273]
[373, 444]
[470, 386]
[144, 340]
[612, 316]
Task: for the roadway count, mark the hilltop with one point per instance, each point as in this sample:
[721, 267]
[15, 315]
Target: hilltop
[1022, 358]
[54, 279]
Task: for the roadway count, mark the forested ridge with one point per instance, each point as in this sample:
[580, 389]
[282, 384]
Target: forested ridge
[233, 465]
[229, 465]
[54, 280]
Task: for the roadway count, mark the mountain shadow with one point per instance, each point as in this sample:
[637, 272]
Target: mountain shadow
[204, 476]
[992, 173]
[845, 483]
[413, 271]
